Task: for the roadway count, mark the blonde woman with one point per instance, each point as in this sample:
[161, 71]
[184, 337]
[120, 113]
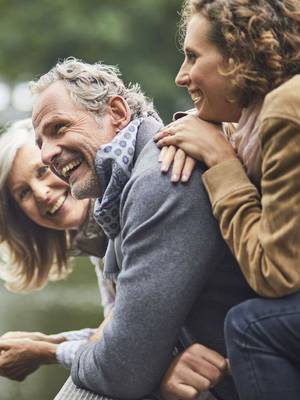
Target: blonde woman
[41, 227]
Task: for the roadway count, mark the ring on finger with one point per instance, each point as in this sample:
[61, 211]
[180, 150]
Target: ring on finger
[171, 131]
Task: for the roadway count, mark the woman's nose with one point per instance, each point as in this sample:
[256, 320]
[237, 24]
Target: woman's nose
[41, 192]
[182, 77]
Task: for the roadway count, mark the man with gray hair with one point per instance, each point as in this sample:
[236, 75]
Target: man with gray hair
[166, 254]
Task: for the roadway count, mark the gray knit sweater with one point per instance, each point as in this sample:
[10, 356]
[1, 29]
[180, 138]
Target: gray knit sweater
[175, 271]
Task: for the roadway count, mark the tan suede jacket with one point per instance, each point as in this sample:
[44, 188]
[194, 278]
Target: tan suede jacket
[263, 231]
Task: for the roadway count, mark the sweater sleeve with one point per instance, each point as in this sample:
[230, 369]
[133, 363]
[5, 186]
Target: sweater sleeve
[106, 287]
[171, 245]
[263, 231]
[65, 352]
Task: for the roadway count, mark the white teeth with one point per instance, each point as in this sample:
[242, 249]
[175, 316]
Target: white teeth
[70, 166]
[58, 204]
[196, 99]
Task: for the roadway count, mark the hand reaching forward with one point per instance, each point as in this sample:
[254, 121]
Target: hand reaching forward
[195, 370]
[21, 357]
[41, 337]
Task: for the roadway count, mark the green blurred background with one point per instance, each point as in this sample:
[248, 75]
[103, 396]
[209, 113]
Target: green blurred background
[137, 35]
[140, 36]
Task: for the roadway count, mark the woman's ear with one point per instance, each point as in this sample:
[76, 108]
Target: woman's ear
[119, 111]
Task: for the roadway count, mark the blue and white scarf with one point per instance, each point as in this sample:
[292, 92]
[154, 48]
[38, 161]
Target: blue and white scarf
[114, 163]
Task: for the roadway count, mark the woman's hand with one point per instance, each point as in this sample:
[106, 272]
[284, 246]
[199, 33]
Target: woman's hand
[195, 370]
[183, 165]
[41, 337]
[201, 140]
[21, 357]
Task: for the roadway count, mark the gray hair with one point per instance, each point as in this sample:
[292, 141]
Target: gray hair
[15, 136]
[92, 85]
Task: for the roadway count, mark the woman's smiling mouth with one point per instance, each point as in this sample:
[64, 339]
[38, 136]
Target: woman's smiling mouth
[58, 204]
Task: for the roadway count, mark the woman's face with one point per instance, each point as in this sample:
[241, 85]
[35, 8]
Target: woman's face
[42, 196]
[199, 73]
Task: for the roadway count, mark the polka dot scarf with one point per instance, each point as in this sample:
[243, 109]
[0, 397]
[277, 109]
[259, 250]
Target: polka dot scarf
[114, 162]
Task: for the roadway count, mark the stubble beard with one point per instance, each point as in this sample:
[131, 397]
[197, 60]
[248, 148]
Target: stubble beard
[88, 188]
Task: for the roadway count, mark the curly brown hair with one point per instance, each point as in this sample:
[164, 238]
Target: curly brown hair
[260, 38]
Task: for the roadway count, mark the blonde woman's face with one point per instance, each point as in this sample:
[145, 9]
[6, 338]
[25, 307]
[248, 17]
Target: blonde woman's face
[41, 195]
[200, 74]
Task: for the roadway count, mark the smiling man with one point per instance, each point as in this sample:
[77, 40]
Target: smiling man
[171, 266]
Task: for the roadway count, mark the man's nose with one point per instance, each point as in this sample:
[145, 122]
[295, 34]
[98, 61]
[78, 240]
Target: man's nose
[182, 77]
[49, 152]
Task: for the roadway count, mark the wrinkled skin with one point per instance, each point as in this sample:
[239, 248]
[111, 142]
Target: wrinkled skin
[21, 357]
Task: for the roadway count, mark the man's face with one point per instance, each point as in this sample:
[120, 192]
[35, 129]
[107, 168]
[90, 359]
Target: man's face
[69, 137]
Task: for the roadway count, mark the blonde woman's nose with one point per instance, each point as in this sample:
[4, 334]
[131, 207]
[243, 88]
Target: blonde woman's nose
[41, 192]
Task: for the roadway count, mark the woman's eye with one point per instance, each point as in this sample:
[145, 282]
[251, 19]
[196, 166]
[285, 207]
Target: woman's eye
[23, 194]
[43, 171]
[190, 56]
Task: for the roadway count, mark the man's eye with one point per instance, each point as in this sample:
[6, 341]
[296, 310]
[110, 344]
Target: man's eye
[43, 171]
[58, 128]
[24, 193]
[39, 143]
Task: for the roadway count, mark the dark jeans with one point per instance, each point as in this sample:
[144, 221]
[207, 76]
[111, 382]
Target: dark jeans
[263, 342]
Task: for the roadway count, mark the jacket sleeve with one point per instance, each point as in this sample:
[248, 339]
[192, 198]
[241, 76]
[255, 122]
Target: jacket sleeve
[263, 231]
[171, 245]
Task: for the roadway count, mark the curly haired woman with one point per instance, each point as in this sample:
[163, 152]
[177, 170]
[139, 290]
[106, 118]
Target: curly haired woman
[242, 60]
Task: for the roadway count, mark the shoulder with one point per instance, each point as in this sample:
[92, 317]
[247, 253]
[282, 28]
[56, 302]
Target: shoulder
[147, 175]
[149, 192]
[283, 102]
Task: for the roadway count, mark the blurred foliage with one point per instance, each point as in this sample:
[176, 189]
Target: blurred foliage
[137, 35]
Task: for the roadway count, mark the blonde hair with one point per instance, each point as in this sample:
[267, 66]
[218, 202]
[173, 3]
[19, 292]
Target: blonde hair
[30, 254]
[261, 40]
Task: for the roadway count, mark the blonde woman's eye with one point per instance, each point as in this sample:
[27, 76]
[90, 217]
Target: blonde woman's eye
[24, 193]
[43, 171]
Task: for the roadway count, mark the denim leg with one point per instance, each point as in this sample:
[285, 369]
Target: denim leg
[263, 344]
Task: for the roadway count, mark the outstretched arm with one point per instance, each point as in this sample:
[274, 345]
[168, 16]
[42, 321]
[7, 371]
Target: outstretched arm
[21, 357]
[39, 349]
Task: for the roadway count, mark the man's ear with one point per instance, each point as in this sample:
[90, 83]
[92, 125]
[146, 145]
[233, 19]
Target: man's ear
[119, 111]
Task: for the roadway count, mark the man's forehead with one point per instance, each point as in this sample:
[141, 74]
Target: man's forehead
[54, 100]
[40, 112]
